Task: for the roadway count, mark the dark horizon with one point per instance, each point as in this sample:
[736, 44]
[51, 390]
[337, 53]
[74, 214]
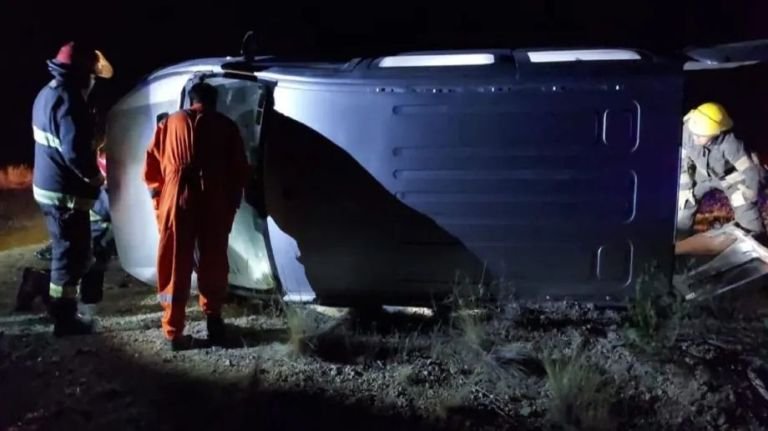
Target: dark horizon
[149, 37]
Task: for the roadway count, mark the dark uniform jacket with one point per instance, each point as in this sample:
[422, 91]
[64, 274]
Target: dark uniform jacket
[65, 173]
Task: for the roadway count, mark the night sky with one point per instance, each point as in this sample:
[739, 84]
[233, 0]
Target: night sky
[152, 35]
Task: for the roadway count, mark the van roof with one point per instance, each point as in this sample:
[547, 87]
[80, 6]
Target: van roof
[424, 63]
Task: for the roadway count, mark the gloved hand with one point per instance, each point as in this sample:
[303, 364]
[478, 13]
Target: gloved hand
[96, 181]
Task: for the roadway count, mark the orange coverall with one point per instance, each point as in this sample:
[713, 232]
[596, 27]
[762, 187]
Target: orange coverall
[196, 171]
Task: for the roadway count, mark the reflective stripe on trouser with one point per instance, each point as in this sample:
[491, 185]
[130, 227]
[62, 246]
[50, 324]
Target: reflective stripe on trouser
[56, 291]
[176, 255]
[69, 231]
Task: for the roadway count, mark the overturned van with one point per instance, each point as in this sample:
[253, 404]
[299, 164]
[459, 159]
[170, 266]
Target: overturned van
[393, 180]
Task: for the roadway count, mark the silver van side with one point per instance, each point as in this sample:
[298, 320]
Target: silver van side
[391, 180]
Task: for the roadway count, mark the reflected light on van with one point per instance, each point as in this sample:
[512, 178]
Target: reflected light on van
[437, 60]
[582, 55]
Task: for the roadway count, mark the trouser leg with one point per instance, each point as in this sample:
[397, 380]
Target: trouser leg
[71, 244]
[101, 226]
[70, 250]
[748, 216]
[174, 272]
[213, 268]
[92, 285]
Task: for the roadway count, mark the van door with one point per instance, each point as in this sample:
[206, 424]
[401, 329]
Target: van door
[245, 100]
[130, 126]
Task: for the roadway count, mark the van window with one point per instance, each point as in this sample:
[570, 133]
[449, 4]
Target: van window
[582, 55]
[243, 102]
[437, 60]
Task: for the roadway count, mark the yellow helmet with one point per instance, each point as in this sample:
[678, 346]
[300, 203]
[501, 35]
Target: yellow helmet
[708, 119]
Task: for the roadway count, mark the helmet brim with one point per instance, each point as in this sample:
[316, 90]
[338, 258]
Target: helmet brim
[102, 68]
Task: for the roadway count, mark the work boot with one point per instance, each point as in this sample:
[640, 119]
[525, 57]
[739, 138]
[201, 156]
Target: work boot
[217, 331]
[66, 319]
[34, 283]
[92, 286]
[179, 343]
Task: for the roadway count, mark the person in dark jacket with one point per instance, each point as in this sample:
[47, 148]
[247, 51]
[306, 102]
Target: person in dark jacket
[66, 181]
[102, 239]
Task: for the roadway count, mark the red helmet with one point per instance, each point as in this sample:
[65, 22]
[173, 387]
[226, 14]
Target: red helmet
[84, 59]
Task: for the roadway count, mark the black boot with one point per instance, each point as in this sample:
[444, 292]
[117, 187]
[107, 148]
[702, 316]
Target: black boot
[180, 343]
[217, 331]
[66, 320]
[92, 286]
[34, 283]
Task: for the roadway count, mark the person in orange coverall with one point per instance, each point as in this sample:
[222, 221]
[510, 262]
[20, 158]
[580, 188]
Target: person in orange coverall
[196, 171]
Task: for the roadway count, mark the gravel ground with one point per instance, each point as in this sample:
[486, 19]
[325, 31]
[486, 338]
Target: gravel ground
[517, 366]
[405, 370]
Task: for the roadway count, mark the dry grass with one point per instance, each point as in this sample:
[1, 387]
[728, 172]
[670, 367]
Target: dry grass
[21, 222]
[655, 313]
[581, 397]
[300, 329]
[15, 177]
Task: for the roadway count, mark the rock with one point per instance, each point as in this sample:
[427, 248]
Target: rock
[84, 351]
[721, 419]
[525, 411]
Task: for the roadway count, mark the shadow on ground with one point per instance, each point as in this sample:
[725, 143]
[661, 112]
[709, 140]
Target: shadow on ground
[100, 387]
[100, 382]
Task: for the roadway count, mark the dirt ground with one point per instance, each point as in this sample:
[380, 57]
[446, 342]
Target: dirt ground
[511, 366]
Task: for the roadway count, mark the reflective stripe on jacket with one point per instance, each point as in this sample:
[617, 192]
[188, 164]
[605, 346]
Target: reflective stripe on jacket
[65, 170]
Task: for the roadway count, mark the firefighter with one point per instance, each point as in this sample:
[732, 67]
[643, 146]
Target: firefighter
[195, 170]
[67, 180]
[713, 158]
[102, 239]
